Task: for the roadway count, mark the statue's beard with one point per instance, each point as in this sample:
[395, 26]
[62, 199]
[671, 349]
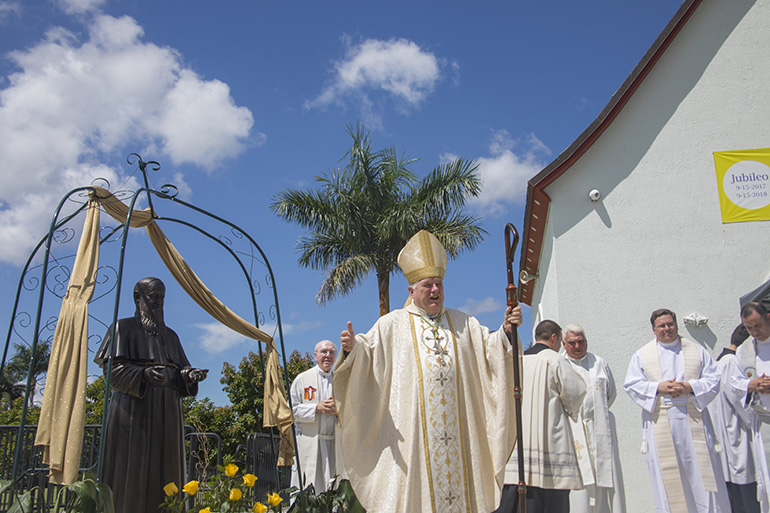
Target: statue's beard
[151, 318]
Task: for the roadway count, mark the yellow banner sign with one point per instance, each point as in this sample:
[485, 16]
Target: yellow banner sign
[743, 180]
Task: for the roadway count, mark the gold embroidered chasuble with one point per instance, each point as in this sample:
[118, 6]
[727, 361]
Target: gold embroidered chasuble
[426, 412]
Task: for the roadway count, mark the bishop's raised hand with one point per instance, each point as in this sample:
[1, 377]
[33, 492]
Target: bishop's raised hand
[348, 338]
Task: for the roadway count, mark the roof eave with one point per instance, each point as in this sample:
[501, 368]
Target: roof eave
[537, 184]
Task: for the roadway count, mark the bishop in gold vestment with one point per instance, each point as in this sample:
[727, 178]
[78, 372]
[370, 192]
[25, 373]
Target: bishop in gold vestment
[425, 400]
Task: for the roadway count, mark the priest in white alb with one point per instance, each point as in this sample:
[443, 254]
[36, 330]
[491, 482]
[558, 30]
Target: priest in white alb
[749, 392]
[315, 423]
[673, 380]
[594, 433]
[425, 399]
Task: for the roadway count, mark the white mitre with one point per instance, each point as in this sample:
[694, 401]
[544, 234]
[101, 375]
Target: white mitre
[422, 257]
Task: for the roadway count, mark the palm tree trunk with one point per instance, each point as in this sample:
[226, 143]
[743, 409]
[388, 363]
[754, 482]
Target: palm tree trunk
[383, 284]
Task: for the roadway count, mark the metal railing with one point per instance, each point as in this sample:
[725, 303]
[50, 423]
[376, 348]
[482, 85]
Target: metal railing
[259, 459]
[256, 456]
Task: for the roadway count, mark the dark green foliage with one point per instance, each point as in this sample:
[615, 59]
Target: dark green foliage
[245, 387]
[339, 498]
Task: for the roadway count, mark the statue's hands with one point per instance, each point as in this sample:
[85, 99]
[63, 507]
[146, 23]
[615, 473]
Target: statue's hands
[155, 375]
[197, 375]
[348, 338]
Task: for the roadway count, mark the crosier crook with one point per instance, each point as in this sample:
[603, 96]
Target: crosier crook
[512, 301]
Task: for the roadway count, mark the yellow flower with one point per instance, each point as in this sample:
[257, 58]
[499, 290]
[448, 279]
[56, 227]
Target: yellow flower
[259, 508]
[231, 470]
[205, 510]
[249, 480]
[171, 489]
[235, 494]
[191, 488]
[274, 499]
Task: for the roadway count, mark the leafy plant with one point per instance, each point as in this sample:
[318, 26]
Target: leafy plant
[226, 491]
[339, 498]
[21, 503]
[85, 496]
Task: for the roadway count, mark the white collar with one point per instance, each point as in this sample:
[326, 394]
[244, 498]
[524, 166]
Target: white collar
[670, 345]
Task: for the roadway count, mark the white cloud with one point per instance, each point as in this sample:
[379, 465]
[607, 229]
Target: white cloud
[70, 106]
[217, 338]
[289, 328]
[397, 67]
[80, 6]
[200, 122]
[582, 103]
[8, 8]
[482, 306]
[506, 171]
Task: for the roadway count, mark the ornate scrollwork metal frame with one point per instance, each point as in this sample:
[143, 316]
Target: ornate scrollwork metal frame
[48, 269]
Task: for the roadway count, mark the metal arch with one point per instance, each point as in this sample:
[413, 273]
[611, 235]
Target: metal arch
[168, 192]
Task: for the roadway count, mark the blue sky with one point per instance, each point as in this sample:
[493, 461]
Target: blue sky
[241, 99]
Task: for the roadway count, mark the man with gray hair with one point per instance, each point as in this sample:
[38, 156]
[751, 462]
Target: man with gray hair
[425, 399]
[596, 443]
[315, 418]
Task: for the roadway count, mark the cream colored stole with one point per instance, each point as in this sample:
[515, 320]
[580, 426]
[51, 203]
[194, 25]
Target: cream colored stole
[435, 349]
[664, 441]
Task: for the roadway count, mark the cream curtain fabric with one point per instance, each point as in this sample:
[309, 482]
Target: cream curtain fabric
[65, 396]
[62, 416]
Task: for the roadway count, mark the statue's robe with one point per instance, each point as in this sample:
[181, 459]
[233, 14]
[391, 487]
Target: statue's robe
[426, 412]
[143, 448]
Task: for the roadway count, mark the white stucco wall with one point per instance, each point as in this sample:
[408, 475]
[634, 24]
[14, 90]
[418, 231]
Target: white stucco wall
[656, 239]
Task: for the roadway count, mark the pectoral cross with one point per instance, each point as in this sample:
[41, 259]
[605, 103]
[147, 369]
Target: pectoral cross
[440, 351]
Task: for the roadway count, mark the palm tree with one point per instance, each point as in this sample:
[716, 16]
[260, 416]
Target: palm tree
[17, 369]
[362, 215]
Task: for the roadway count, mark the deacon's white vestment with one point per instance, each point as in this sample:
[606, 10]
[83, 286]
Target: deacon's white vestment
[318, 442]
[552, 393]
[426, 411]
[752, 359]
[731, 427]
[596, 443]
[696, 474]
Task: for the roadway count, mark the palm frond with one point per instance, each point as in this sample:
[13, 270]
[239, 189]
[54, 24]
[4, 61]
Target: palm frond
[344, 277]
[364, 212]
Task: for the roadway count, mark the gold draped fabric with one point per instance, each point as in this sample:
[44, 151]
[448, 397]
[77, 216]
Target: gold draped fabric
[64, 398]
[62, 416]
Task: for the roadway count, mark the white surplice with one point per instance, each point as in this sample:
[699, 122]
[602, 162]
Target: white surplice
[732, 431]
[742, 401]
[552, 393]
[705, 388]
[318, 445]
[603, 492]
[426, 413]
